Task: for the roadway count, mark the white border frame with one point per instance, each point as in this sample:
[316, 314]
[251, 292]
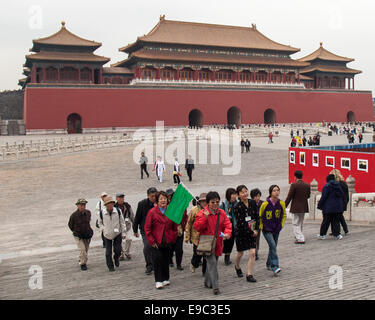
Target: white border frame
[317, 156]
[331, 166]
[294, 157]
[350, 163]
[366, 170]
[304, 157]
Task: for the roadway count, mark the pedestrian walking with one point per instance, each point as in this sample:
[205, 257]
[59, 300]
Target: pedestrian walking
[256, 194]
[143, 208]
[159, 168]
[247, 228]
[79, 224]
[192, 235]
[272, 215]
[161, 233]
[298, 194]
[242, 145]
[143, 163]
[332, 205]
[128, 214]
[189, 166]
[345, 189]
[207, 221]
[177, 247]
[98, 209]
[247, 145]
[270, 136]
[228, 205]
[176, 172]
[113, 224]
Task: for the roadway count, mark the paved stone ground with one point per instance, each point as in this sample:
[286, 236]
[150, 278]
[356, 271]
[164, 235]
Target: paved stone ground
[38, 197]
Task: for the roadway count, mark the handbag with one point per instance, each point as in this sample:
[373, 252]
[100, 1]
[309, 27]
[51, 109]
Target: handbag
[207, 243]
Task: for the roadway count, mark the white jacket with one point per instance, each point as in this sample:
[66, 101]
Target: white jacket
[112, 222]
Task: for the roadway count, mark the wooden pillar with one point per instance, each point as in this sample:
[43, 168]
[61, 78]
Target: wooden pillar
[284, 76]
[58, 74]
[33, 74]
[269, 76]
[254, 76]
[79, 75]
[330, 82]
[299, 79]
[101, 75]
[178, 74]
[348, 83]
[158, 74]
[196, 75]
[44, 75]
[353, 83]
[92, 76]
[214, 75]
[238, 76]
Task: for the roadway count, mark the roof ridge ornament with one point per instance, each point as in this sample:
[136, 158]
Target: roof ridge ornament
[321, 44]
[254, 26]
[162, 17]
[63, 23]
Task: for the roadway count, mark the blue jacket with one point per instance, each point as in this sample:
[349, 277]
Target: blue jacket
[228, 208]
[332, 200]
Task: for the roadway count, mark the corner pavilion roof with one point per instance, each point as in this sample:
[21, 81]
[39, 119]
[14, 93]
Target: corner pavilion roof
[324, 54]
[213, 35]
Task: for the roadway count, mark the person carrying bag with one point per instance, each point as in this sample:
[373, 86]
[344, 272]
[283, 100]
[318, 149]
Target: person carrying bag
[207, 243]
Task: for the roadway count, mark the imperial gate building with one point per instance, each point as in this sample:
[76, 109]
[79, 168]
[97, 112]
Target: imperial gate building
[186, 74]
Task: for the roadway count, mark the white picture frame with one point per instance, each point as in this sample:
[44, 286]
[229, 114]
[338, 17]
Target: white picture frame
[315, 159]
[345, 163]
[330, 161]
[362, 165]
[302, 158]
[292, 157]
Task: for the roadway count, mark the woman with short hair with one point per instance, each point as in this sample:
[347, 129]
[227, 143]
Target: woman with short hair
[246, 214]
[206, 224]
[255, 194]
[161, 233]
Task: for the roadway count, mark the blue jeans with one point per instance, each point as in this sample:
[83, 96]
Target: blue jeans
[273, 259]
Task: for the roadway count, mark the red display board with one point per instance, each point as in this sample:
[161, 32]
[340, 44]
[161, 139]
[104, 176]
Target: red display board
[316, 163]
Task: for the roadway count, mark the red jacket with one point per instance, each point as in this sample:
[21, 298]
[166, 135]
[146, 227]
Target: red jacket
[207, 226]
[184, 220]
[156, 224]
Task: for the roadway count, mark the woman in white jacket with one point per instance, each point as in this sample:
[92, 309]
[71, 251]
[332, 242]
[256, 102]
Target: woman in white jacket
[159, 167]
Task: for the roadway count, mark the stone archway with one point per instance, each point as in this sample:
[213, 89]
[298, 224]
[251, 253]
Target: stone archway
[234, 116]
[74, 123]
[195, 118]
[350, 116]
[269, 116]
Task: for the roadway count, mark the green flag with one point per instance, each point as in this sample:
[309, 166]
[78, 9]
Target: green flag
[179, 203]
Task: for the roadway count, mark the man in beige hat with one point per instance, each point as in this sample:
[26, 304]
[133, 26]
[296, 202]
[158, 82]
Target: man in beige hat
[192, 235]
[112, 222]
[79, 224]
[98, 209]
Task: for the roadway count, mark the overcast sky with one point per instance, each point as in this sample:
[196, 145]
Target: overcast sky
[345, 27]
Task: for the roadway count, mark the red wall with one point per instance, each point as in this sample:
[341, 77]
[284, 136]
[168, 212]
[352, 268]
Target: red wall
[365, 181]
[48, 108]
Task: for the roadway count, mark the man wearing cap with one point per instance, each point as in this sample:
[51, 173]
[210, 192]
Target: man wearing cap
[128, 214]
[98, 209]
[143, 208]
[113, 224]
[79, 223]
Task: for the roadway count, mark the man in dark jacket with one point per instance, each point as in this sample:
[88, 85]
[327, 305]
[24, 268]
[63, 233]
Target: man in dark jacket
[189, 166]
[143, 208]
[79, 223]
[332, 204]
[298, 194]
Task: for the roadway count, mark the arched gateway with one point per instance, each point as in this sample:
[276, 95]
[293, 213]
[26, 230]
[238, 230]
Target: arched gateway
[269, 116]
[195, 118]
[234, 116]
[74, 123]
[350, 116]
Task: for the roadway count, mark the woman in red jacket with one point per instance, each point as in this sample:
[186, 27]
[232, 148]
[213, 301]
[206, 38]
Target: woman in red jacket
[161, 234]
[205, 223]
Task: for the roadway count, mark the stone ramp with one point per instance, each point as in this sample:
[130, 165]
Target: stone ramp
[305, 273]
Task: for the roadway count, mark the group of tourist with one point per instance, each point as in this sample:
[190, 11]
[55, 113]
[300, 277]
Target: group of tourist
[238, 219]
[245, 144]
[159, 168]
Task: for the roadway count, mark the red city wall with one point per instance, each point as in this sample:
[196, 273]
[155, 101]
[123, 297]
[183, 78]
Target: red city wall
[364, 180]
[48, 108]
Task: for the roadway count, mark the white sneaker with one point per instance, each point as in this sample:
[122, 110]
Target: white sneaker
[339, 237]
[166, 283]
[159, 285]
[320, 237]
[276, 271]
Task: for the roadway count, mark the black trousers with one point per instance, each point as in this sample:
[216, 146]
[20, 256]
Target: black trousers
[333, 220]
[176, 179]
[160, 261]
[196, 259]
[144, 168]
[116, 243]
[342, 222]
[228, 245]
[103, 239]
[178, 249]
[189, 173]
[147, 252]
